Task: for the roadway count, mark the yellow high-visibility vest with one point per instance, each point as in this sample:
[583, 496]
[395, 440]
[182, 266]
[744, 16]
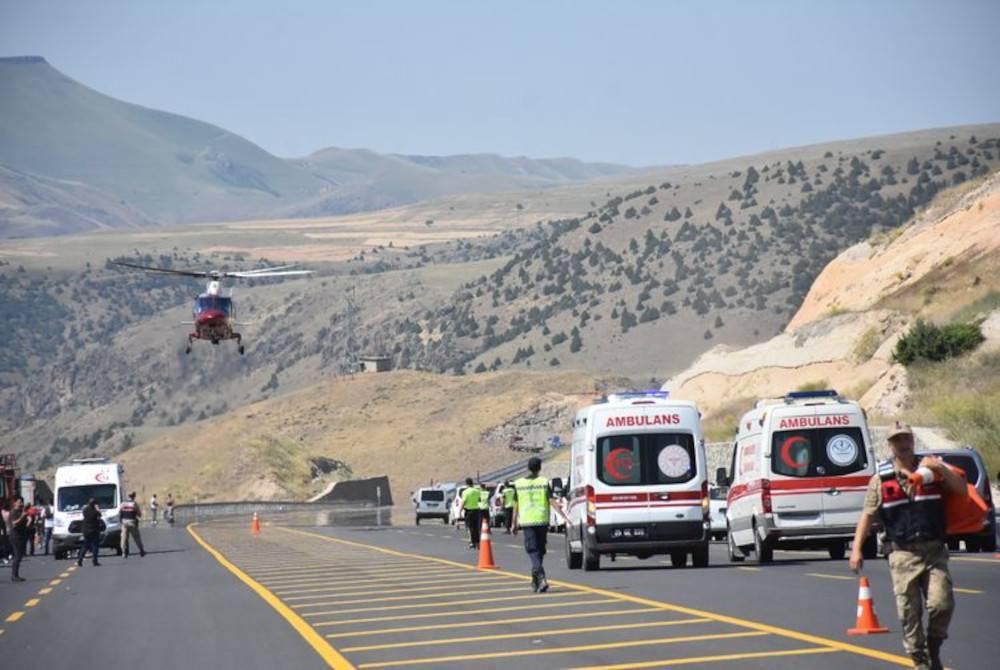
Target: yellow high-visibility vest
[532, 501]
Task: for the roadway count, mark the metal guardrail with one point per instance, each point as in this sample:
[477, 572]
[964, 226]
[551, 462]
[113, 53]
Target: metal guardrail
[517, 468]
[194, 511]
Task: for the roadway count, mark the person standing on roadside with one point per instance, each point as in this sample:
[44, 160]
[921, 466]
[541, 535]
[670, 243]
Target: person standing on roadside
[32, 529]
[508, 505]
[91, 532]
[130, 514]
[18, 537]
[168, 513]
[48, 522]
[533, 496]
[470, 503]
[154, 509]
[914, 519]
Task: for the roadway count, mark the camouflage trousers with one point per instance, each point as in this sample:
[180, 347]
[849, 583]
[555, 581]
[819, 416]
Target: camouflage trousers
[920, 575]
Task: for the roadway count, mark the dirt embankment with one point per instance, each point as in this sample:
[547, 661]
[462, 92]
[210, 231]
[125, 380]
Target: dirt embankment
[844, 333]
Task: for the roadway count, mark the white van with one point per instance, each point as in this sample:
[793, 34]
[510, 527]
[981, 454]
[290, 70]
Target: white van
[433, 502]
[83, 479]
[798, 476]
[638, 481]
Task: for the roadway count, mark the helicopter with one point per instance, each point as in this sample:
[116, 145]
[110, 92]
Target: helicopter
[215, 313]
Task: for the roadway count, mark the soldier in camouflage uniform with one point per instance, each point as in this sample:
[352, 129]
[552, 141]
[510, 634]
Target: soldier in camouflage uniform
[914, 521]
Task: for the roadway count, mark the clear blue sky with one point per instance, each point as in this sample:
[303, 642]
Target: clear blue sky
[632, 82]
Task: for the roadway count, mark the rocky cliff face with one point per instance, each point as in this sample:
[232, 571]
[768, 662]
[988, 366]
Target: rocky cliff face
[844, 333]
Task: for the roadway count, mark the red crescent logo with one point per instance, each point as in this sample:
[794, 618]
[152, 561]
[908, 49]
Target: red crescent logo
[619, 463]
[786, 449]
[100, 477]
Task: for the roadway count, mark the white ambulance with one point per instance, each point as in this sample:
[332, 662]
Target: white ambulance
[638, 481]
[799, 471]
[76, 483]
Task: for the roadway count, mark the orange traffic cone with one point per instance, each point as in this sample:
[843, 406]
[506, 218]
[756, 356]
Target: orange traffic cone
[255, 524]
[485, 548]
[867, 621]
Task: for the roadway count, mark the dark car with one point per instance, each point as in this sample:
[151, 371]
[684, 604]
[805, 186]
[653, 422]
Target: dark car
[970, 462]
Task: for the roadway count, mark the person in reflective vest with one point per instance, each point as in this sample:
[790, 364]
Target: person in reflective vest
[508, 505]
[914, 520]
[470, 505]
[532, 497]
[484, 504]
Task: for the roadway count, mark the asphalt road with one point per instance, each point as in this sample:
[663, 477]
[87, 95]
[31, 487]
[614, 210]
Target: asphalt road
[303, 596]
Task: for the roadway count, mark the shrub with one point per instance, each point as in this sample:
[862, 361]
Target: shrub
[927, 341]
[867, 345]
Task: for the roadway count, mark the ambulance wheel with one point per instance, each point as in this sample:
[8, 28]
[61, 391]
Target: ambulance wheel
[574, 559]
[837, 550]
[972, 545]
[735, 553]
[989, 543]
[699, 557]
[953, 544]
[869, 550]
[762, 548]
[678, 559]
[591, 559]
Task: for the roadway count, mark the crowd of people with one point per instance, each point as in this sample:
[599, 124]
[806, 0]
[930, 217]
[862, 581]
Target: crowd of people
[27, 529]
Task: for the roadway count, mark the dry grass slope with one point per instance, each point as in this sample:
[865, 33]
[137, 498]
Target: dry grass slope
[414, 427]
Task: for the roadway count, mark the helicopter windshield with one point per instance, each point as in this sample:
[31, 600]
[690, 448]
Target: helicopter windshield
[215, 303]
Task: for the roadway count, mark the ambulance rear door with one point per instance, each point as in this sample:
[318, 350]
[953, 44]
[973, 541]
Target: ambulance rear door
[820, 464]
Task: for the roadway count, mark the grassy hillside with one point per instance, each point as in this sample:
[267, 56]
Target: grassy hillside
[653, 277]
[141, 164]
[363, 180]
[414, 427]
[168, 166]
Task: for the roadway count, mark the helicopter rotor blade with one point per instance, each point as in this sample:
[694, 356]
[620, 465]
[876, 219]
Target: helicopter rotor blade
[149, 268]
[269, 269]
[254, 275]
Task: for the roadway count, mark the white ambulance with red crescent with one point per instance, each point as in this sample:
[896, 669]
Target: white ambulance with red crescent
[799, 471]
[638, 481]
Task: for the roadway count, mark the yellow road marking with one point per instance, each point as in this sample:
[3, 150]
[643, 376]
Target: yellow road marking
[713, 659]
[64, 575]
[32, 602]
[969, 559]
[55, 582]
[564, 650]
[44, 592]
[690, 611]
[438, 615]
[457, 604]
[449, 603]
[972, 591]
[748, 568]
[321, 646]
[511, 636]
[479, 623]
[336, 593]
[14, 617]
[353, 581]
[826, 576]
[318, 566]
[71, 568]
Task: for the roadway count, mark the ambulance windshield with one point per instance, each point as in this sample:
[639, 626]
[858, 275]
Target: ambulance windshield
[74, 498]
[820, 452]
[646, 459]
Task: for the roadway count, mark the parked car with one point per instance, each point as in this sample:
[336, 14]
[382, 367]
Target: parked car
[432, 503]
[717, 506]
[971, 462]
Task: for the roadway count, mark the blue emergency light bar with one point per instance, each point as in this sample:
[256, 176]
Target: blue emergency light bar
[805, 395]
[632, 395]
